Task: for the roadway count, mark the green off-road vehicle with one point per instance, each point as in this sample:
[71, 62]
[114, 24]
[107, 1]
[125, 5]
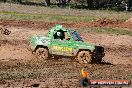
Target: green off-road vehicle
[65, 42]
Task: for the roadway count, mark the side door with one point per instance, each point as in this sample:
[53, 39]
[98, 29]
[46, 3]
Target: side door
[62, 46]
[67, 47]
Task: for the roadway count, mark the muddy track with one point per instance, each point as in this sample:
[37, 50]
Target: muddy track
[18, 63]
[53, 72]
[121, 51]
[14, 42]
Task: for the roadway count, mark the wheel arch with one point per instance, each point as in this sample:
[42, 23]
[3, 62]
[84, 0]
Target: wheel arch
[40, 46]
[83, 50]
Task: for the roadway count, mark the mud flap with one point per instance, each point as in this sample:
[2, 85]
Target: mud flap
[98, 54]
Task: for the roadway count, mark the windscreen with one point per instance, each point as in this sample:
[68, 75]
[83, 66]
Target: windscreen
[76, 36]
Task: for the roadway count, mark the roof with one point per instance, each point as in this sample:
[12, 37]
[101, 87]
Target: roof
[58, 27]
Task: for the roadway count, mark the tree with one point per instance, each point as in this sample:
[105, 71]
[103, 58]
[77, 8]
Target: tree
[19, 1]
[90, 3]
[129, 4]
[4, 0]
[47, 2]
[62, 3]
[82, 2]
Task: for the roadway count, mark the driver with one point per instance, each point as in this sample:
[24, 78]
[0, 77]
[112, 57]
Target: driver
[59, 35]
[66, 36]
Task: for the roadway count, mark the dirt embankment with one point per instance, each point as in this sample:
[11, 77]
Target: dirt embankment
[103, 22]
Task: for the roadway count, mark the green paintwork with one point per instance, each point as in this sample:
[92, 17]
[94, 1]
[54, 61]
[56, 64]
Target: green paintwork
[60, 47]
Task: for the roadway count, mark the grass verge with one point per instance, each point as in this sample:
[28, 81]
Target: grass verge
[106, 31]
[45, 17]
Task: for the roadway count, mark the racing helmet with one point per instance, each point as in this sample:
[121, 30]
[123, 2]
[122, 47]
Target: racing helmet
[59, 34]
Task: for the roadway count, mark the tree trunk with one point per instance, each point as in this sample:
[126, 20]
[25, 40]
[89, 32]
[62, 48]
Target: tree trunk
[20, 1]
[63, 3]
[47, 2]
[59, 3]
[90, 3]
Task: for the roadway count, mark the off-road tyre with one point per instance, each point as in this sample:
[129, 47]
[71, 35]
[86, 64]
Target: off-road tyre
[84, 57]
[42, 53]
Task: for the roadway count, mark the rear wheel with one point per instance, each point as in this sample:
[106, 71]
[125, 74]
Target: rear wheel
[42, 53]
[84, 57]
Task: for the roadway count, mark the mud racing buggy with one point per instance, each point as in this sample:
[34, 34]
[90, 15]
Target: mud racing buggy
[65, 42]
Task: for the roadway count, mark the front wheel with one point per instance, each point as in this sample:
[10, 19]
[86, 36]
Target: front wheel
[42, 53]
[84, 57]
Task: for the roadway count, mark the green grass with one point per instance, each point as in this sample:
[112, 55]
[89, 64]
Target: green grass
[106, 31]
[45, 17]
[53, 10]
